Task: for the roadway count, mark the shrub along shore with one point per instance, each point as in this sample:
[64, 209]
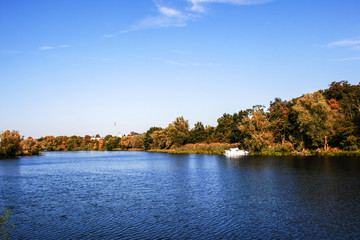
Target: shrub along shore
[326, 122]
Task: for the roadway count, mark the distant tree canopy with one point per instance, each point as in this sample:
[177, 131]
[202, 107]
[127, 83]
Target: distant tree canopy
[325, 119]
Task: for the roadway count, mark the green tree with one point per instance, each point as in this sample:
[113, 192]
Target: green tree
[347, 99]
[107, 137]
[111, 143]
[73, 143]
[197, 134]
[350, 143]
[148, 141]
[223, 129]
[227, 131]
[177, 133]
[10, 144]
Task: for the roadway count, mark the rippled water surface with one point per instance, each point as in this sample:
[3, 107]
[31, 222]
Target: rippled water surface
[137, 195]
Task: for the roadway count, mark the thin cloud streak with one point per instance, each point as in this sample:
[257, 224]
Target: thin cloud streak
[171, 17]
[198, 5]
[349, 59]
[167, 17]
[99, 59]
[344, 43]
[178, 51]
[182, 64]
[169, 12]
[353, 44]
[46, 48]
[171, 62]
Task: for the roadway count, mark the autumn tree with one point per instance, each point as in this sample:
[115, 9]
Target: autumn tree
[125, 142]
[49, 143]
[30, 146]
[256, 129]
[10, 144]
[278, 115]
[175, 135]
[137, 141]
[159, 139]
[315, 119]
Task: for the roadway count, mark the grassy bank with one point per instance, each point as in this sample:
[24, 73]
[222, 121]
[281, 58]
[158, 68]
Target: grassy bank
[219, 149]
[308, 153]
[199, 148]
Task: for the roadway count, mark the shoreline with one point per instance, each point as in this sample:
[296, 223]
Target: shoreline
[218, 152]
[311, 153]
[284, 154]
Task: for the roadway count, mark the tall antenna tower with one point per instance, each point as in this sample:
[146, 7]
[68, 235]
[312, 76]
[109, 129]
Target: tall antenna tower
[115, 129]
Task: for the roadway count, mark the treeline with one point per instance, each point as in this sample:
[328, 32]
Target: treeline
[327, 120]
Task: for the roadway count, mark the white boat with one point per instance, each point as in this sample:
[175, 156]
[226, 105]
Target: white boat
[235, 152]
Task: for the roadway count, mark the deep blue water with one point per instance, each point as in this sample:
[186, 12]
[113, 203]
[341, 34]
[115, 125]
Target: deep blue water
[137, 195]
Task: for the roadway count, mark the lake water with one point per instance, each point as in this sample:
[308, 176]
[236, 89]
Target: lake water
[139, 195]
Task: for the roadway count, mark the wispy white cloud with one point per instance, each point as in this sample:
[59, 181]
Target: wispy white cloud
[349, 59]
[178, 17]
[162, 21]
[353, 44]
[46, 48]
[169, 11]
[166, 17]
[198, 5]
[99, 59]
[171, 62]
[178, 51]
[344, 43]
[185, 64]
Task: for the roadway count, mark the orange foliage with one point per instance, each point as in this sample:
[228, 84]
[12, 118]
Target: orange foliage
[333, 104]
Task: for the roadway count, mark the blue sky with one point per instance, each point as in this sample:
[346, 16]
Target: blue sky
[75, 67]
